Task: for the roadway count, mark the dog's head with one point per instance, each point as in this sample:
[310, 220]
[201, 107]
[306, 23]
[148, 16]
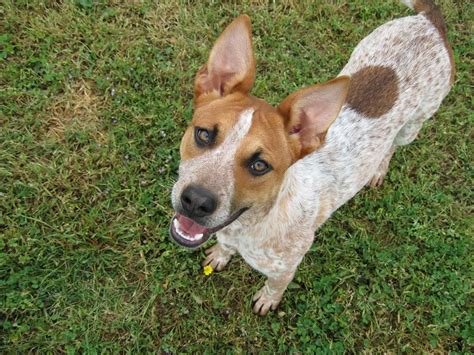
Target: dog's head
[236, 150]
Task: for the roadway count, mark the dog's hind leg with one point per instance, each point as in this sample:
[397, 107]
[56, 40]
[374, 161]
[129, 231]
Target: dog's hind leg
[405, 135]
[408, 132]
[218, 256]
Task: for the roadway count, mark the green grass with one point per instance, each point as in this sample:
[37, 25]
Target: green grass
[94, 98]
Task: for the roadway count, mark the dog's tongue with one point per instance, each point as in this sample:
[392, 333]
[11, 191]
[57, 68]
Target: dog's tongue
[189, 226]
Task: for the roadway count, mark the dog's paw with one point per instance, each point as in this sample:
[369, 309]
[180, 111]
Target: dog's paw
[382, 170]
[377, 179]
[265, 300]
[217, 257]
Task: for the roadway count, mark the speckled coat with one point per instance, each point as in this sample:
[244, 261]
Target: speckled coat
[400, 74]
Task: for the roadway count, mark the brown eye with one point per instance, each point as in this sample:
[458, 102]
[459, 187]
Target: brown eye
[203, 137]
[259, 167]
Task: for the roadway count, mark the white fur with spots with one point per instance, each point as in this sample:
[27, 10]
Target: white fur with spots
[275, 242]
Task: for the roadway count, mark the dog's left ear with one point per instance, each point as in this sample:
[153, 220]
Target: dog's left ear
[309, 112]
[231, 64]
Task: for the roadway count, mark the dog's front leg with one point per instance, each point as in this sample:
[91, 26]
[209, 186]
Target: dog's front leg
[218, 256]
[280, 267]
[269, 296]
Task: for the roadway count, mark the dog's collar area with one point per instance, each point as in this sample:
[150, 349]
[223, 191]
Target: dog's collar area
[190, 234]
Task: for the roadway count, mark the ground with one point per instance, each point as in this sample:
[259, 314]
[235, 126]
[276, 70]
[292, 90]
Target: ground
[94, 97]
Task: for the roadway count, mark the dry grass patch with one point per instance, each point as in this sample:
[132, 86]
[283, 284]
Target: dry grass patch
[76, 109]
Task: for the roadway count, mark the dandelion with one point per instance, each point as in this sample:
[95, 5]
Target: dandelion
[208, 270]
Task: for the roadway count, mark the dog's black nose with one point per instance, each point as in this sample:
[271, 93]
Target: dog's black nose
[198, 202]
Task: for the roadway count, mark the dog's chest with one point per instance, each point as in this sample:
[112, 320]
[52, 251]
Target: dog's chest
[260, 253]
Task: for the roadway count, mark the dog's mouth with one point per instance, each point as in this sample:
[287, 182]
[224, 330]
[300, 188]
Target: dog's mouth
[190, 234]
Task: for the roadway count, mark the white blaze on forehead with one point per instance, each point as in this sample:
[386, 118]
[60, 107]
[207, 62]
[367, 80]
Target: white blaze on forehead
[243, 125]
[227, 150]
[214, 169]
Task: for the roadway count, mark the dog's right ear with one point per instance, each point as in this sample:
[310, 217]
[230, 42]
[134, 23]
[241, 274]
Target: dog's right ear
[308, 113]
[231, 64]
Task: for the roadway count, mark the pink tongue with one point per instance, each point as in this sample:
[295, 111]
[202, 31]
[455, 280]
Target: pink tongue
[189, 226]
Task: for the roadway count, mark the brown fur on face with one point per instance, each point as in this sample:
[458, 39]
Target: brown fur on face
[268, 136]
[280, 136]
[271, 135]
[215, 112]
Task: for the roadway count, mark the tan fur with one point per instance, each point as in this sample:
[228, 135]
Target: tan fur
[267, 135]
[373, 91]
[220, 112]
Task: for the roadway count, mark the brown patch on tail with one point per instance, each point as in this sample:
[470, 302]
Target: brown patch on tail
[373, 91]
[433, 13]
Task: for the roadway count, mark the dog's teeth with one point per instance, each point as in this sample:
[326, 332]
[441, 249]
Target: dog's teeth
[183, 234]
[188, 237]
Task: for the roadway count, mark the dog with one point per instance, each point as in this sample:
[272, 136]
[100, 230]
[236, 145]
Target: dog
[264, 179]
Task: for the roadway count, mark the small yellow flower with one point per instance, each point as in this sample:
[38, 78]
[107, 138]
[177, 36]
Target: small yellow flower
[208, 270]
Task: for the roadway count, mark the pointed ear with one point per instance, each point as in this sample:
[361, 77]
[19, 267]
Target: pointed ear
[309, 113]
[231, 64]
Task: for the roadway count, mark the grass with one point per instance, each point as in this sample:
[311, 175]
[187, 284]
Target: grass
[94, 98]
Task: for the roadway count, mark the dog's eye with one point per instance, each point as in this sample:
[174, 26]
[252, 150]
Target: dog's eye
[203, 137]
[259, 167]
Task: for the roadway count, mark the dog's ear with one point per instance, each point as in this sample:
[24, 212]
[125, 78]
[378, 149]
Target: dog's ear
[309, 112]
[231, 64]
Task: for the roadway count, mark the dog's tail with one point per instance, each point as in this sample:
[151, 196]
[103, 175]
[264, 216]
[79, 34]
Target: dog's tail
[428, 9]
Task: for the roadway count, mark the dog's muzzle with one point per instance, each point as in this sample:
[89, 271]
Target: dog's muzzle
[190, 234]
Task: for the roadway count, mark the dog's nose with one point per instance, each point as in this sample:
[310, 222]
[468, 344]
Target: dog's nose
[198, 202]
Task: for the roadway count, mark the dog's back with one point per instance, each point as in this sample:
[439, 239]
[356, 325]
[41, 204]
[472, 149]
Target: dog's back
[409, 60]
[400, 74]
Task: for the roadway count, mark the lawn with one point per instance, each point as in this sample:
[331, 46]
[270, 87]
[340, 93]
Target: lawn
[94, 97]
